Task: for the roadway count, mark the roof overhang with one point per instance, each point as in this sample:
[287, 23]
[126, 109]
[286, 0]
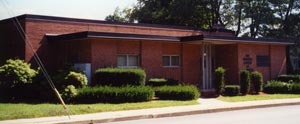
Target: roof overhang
[197, 39]
[112, 35]
[235, 40]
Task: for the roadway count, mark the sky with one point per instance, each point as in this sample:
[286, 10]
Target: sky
[86, 9]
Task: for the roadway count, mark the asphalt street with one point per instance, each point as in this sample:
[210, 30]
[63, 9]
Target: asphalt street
[272, 115]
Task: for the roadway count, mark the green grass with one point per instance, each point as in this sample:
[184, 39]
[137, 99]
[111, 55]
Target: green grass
[17, 111]
[257, 97]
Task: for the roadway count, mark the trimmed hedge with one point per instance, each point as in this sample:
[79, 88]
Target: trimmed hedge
[288, 78]
[276, 87]
[181, 92]
[245, 81]
[107, 94]
[162, 82]
[119, 77]
[231, 90]
[219, 79]
[257, 81]
[282, 87]
[295, 88]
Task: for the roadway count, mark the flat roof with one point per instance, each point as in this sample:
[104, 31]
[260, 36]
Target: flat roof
[112, 35]
[66, 19]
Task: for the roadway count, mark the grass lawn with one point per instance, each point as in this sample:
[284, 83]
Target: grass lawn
[257, 97]
[16, 111]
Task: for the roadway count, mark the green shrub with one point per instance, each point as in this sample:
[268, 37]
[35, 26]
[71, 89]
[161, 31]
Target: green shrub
[245, 81]
[289, 78]
[257, 80]
[181, 92]
[107, 94]
[16, 72]
[162, 81]
[77, 79]
[119, 77]
[219, 79]
[231, 90]
[295, 88]
[16, 77]
[274, 86]
[69, 93]
[64, 78]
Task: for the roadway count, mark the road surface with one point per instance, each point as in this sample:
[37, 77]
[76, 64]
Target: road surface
[272, 115]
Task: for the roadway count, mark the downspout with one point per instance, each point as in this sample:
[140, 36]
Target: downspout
[140, 53]
[270, 65]
[181, 61]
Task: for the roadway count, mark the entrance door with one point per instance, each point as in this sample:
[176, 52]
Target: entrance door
[207, 66]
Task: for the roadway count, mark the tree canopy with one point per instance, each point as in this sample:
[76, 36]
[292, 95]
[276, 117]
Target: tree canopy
[249, 18]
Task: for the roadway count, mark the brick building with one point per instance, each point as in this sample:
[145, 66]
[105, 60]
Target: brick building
[186, 54]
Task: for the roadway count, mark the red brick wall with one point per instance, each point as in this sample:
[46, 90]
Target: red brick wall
[128, 47]
[278, 60]
[151, 56]
[227, 57]
[36, 30]
[12, 44]
[104, 54]
[192, 67]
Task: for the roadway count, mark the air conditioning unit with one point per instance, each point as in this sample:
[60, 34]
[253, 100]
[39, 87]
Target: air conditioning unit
[86, 68]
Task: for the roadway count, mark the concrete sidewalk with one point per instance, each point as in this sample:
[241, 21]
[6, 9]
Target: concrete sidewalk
[206, 106]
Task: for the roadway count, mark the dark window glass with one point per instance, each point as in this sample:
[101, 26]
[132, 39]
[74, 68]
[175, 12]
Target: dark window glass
[166, 61]
[175, 60]
[171, 61]
[262, 61]
[127, 61]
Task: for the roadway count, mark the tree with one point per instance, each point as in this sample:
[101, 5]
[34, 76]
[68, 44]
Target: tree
[249, 18]
[193, 13]
[120, 16]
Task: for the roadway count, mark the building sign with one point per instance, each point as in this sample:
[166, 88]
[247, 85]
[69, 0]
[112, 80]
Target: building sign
[247, 61]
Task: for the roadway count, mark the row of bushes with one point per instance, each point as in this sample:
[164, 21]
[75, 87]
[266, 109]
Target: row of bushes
[19, 82]
[246, 79]
[273, 87]
[289, 78]
[114, 94]
[123, 76]
[108, 94]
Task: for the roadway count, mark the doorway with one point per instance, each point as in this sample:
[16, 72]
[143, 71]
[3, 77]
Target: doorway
[208, 64]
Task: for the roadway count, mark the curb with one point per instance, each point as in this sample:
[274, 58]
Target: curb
[177, 113]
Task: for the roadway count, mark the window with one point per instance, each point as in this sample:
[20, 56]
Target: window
[128, 61]
[262, 61]
[171, 61]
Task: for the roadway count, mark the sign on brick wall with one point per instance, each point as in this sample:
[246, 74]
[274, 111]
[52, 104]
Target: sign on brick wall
[247, 61]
